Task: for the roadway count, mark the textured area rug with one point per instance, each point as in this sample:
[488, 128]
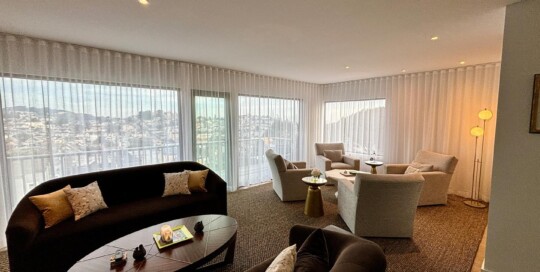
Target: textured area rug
[445, 238]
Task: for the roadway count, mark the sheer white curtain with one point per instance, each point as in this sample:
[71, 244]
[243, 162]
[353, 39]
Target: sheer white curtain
[237, 116]
[433, 111]
[70, 109]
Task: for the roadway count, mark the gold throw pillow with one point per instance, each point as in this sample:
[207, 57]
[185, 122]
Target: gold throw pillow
[54, 206]
[197, 180]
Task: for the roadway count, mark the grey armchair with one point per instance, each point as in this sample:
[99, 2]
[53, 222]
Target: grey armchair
[287, 183]
[380, 205]
[435, 189]
[325, 164]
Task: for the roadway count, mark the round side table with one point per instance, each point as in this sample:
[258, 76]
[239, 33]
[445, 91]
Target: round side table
[314, 202]
[374, 165]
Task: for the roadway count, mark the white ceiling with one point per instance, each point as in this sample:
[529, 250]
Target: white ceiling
[307, 40]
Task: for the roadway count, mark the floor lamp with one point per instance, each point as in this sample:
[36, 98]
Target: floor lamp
[476, 183]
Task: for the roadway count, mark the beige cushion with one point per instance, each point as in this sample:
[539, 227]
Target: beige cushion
[85, 200]
[423, 167]
[54, 206]
[197, 180]
[411, 170]
[341, 165]
[176, 183]
[284, 262]
[334, 155]
[289, 165]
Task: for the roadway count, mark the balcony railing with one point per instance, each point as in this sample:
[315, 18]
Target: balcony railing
[26, 172]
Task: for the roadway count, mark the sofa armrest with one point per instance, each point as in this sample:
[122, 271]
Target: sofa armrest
[24, 225]
[300, 164]
[354, 162]
[396, 168]
[216, 185]
[323, 163]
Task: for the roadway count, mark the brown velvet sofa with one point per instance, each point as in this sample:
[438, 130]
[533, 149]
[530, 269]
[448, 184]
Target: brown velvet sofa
[346, 251]
[134, 199]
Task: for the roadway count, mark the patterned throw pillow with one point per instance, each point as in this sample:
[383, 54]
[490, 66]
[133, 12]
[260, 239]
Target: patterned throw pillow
[54, 206]
[284, 262]
[411, 170]
[333, 155]
[197, 181]
[418, 167]
[85, 200]
[176, 183]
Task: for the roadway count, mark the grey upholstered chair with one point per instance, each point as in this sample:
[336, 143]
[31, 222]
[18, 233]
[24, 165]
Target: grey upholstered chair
[380, 205]
[287, 183]
[437, 178]
[343, 162]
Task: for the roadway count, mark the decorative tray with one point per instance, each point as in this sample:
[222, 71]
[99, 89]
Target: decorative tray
[180, 234]
[348, 174]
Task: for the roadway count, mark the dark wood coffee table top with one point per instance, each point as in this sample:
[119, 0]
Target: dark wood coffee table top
[219, 234]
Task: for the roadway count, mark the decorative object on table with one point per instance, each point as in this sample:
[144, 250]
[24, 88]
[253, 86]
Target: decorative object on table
[374, 165]
[348, 173]
[179, 234]
[316, 172]
[139, 253]
[199, 227]
[118, 259]
[476, 183]
[166, 234]
[535, 108]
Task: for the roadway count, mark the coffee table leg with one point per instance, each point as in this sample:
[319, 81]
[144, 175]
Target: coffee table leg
[229, 256]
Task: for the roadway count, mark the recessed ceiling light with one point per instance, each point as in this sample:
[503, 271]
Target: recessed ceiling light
[144, 2]
[462, 62]
[434, 38]
[403, 70]
[347, 67]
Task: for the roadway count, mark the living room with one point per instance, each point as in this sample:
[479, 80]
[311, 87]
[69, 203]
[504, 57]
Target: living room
[86, 85]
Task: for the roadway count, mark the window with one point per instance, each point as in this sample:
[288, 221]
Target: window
[358, 124]
[56, 128]
[265, 123]
[211, 131]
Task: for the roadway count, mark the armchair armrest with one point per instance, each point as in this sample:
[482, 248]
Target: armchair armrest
[300, 165]
[295, 174]
[323, 163]
[354, 162]
[396, 168]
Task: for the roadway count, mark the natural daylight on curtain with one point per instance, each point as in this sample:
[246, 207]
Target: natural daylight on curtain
[59, 128]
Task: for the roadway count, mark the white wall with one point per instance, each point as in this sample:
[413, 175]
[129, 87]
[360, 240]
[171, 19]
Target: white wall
[513, 241]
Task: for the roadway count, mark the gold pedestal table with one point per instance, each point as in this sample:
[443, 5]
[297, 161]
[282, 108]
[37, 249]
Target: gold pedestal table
[374, 165]
[314, 201]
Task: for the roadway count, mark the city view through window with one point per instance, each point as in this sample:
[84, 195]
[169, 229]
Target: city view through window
[59, 128]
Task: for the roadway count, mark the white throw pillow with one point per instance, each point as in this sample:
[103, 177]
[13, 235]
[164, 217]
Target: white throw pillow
[284, 262]
[85, 200]
[176, 183]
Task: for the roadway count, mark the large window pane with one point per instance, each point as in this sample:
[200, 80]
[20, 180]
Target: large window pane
[58, 128]
[211, 133]
[358, 124]
[265, 123]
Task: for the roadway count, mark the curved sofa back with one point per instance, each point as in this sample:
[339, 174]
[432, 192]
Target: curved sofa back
[125, 184]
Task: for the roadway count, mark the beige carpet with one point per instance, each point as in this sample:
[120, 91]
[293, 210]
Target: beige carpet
[446, 238]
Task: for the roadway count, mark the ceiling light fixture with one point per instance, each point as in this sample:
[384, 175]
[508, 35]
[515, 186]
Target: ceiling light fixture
[434, 38]
[462, 62]
[347, 67]
[403, 70]
[144, 2]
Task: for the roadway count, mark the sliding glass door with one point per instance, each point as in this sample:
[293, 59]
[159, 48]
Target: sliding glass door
[211, 131]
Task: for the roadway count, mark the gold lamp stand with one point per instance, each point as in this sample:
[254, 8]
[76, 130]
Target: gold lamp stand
[476, 183]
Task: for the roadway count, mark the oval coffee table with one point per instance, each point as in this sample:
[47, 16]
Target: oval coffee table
[219, 234]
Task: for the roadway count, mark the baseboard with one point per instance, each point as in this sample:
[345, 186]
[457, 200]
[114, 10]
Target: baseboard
[482, 269]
